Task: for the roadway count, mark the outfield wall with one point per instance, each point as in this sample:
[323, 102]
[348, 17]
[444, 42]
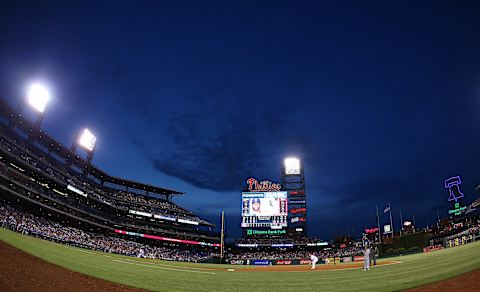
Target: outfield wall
[332, 261]
[412, 243]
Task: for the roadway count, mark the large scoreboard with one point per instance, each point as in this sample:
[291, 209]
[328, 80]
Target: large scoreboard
[276, 210]
[265, 209]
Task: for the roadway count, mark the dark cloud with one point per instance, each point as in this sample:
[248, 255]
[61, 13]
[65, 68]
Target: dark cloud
[216, 148]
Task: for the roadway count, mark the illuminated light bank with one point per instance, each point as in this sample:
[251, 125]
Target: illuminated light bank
[38, 97]
[292, 165]
[87, 140]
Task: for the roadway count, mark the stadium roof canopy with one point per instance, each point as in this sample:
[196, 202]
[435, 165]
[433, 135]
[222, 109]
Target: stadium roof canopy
[47, 141]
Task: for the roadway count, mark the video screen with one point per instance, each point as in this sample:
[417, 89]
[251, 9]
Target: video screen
[264, 204]
[264, 209]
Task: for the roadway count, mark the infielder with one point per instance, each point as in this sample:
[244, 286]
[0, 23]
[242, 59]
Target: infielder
[373, 255]
[366, 259]
[314, 260]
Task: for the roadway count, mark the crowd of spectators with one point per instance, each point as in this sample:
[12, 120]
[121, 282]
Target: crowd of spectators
[29, 224]
[278, 254]
[474, 230]
[466, 236]
[294, 253]
[293, 240]
[154, 203]
[75, 208]
[446, 228]
[119, 199]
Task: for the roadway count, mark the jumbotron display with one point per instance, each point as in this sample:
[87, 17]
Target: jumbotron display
[264, 209]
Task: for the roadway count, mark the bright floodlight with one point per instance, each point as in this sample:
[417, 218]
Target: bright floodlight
[87, 140]
[292, 165]
[38, 97]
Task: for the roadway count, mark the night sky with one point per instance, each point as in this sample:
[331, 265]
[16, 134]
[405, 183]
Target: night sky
[381, 101]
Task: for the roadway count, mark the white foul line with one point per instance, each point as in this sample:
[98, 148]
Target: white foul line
[80, 250]
[165, 265]
[145, 263]
[162, 268]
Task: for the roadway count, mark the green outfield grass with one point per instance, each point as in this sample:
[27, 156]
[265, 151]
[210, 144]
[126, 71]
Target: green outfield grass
[414, 270]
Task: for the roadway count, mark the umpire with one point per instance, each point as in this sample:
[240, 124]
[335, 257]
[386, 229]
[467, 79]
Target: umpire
[373, 254]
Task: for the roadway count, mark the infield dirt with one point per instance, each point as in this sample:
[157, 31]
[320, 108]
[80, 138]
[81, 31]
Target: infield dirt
[20, 271]
[466, 282]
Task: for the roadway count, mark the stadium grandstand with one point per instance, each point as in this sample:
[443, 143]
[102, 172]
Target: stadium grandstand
[46, 182]
[51, 192]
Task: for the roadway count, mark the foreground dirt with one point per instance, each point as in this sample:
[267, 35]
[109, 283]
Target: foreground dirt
[20, 271]
[466, 282]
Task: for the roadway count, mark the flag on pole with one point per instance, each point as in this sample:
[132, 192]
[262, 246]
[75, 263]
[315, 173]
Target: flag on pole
[378, 225]
[389, 209]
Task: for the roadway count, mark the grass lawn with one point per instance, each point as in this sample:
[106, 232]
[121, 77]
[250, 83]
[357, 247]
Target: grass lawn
[414, 270]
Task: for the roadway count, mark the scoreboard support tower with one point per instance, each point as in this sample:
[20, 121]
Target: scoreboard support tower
[293, 181]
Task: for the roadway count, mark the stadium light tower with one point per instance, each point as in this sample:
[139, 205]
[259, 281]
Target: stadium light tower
[37, 98]
[292, 165]
[293, 181]
[87, 141]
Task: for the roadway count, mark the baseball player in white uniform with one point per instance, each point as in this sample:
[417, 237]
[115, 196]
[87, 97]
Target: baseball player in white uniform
[314, 260]
[141, 253]
[366, 259]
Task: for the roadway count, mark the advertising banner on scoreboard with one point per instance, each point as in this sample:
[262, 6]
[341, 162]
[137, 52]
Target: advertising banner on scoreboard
[298, 210]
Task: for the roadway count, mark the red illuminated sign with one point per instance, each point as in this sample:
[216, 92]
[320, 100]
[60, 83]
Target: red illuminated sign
[357, 258]
[284, 262]
[296, 193]
[262, 186]
[371, 230]
[299, 210]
